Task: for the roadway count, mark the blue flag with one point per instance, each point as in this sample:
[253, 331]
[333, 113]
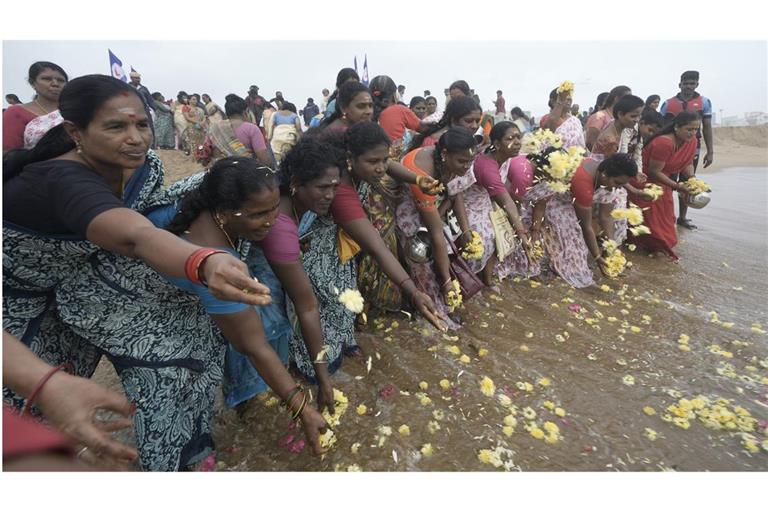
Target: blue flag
[364, 78]
[116, 67]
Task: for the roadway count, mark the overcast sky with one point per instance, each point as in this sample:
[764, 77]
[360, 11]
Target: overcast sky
[733, 74]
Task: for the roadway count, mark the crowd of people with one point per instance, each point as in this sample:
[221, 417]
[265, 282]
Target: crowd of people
[252, 273]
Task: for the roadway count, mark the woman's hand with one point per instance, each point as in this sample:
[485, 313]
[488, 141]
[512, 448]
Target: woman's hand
[228, 279]
[429, 185]
[313, 424]
[602, 264]
[641, 177]
[325, 394]
[682, 191]
[70, 404]
[426, 307]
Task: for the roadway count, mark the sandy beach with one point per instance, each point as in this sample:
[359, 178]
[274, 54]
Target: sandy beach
[612, 369]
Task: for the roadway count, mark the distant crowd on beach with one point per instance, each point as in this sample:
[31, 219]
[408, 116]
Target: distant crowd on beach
[302, 226]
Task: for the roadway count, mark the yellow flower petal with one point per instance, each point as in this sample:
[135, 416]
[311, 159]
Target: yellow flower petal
[445, 384]
[423, 386]
[426, 450]
[487, 387]
[537, 433]
[650, 411]
[361, 409]
[404, 430]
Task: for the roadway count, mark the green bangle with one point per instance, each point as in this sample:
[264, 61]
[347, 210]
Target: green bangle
[297, 389]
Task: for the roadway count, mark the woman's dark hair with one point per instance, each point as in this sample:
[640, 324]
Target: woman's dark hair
[234, 105]
[650, 99]
[456, 109]
[650, 116]
[79, 101]
[287, 105]
[430, 98]
[498, 131]
[12, 97]
[682, 119]
[362, 137]
[615, 95]
[552, 98]
[227, 186]
[342, 77]
[347, 93]
[308, 160]
[461, 85]
[600, 101]
[626, 104]
[383, 91]
[40, 66]
[517, 111]
[156, 96]
[618, 164]
[181, 95]
[415, 101]
[455, 140]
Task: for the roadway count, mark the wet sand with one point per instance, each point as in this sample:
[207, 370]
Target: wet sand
[603, 355]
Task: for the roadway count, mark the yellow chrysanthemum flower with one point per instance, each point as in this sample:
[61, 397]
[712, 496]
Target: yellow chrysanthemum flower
[445, 384]
[650, 411]
[426, 450]
[404, 430]
[423, 385]
[352, 300]
[537, 433]
[487, 387]
[361, 409]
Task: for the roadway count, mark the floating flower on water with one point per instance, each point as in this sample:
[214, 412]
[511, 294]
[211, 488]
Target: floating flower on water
[353, 468]
[510, 420]
[423, 385]
[385, 430]
[352, 300]
[537, 433]
[634, 329]
[473, 250]
[612, 319]
[605, 288]
[424, 399]
[454, 349]
[628, 380]
[507, 430]
[489, 457]
[404, 430]
[426, 450]
[681, 422]
[544, 382]
[464, 359]
[433, 427]
[524, 348]
[524, 386]
[653, 190]
[487, 387]
[551, 438]
[438, 415]
[529, 335]
[529, 413]
[355, 448]
[445, 384]
[559, 411]
[361, 409]
[504, 400]
[683, 339]
[615, 262]
[651, 434]
[650, 411]
[684, 348]
[482, 352]
[548, 404]
[551, 428]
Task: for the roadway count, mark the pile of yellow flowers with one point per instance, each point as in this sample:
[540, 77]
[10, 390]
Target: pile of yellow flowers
[341, 403]
[566, 86]
[633, 214]
[653, 190]
[562, 166]
[495, 457]
[615, 262]
[454, 298]
[640, 230]
[715, 415]
[535, 142]
[474, 249]
[352, 300]
[536, 251]
[696, 186]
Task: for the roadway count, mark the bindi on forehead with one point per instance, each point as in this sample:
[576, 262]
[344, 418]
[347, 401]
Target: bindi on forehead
[130, 112]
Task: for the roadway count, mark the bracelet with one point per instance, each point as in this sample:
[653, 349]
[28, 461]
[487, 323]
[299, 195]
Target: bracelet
[195, 261]
[33, 396]
[296, 389]
[401, 283]
[298, 412]
[290, 405]
[445, 283]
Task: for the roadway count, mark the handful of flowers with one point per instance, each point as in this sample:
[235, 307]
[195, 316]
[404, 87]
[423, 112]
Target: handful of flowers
[633, 214]
[640, 230]
[696, 186]
[566, 86]
[615, 262]
[536, 252]
[653, 190]
[474, 249]
[558, 166]
[454, 298]
[538, 141]
[352, 300]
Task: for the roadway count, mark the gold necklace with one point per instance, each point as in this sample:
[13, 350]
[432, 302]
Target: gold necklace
[41, 107]
[221, 228]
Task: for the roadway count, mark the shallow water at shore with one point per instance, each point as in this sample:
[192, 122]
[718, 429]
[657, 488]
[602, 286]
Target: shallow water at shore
[722, 269]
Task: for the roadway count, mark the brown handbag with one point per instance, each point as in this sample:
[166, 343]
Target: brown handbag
[470, 284]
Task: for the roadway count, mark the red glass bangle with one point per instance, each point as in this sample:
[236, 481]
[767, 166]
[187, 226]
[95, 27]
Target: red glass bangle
[195, 261]
[33, 396]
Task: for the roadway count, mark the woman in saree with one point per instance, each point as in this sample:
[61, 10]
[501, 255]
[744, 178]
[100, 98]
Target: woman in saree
[461, 111]
[194, 135]
[353, 105]
[603, 114]
[163, 122]
[213, 112]
[561, 121]
[449, 161]
[179, 120]
[237, 202]
[669, 152]
[235, 136]
[283, 129]
[75, 244]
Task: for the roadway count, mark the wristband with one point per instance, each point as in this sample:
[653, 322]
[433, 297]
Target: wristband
[33, 396]
[195, 262]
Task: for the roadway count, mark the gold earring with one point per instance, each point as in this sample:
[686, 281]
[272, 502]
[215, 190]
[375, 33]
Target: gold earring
[349, 166]
[79, 147]
[293, 191]
[344, 115]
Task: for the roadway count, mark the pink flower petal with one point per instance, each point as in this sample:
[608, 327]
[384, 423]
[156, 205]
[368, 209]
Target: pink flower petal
[298, 446]
[286, 440]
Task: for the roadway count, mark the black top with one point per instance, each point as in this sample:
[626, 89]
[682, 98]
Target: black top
[57, 197]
